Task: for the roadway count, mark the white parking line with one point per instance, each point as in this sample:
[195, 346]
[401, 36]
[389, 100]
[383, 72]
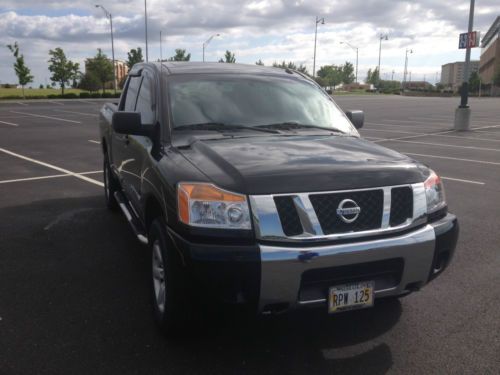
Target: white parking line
[76, 113]
[462, 180]
[21, 103]
[452, 158]
[77, 175]
[400, 126]
[8, 123]
[49, 117]
[54, 102]
[92, 141]
[444, 145]
[45, 177]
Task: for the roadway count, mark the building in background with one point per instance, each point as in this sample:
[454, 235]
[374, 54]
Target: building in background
[452, 74]
[121, 73]
[489, 64]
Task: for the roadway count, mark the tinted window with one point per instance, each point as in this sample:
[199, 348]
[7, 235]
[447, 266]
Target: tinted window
[252, 101]
[144, 101]
[131, 98]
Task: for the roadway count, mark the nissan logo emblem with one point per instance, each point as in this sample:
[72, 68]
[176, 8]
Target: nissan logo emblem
[348, 211]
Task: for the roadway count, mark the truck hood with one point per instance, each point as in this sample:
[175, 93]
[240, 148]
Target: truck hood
[271, 165]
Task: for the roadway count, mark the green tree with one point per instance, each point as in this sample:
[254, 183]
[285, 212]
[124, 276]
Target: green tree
[63, 70]
[41, 86]
[259, 62]
[134, 56]
[89, 82]
[23, 73]
[373, 77]
[331, 75]
[291, 65]
[348, 73]
[180, 55]
[101, 67]
[228, 58]
[474, 82]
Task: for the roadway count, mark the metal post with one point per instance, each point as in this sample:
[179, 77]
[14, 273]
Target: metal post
[357, 50]
[206, 44]
[315, 37]
[465, 85]
[203, 52]
[113, 52]
[382, 36]
[146, 28]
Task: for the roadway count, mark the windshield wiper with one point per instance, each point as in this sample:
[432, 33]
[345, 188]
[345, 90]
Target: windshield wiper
[295, 125]
[221, 126]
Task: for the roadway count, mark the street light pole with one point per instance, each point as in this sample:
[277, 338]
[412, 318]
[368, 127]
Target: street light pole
[318, 20]
[463, 112]
[146, 27]
[381, 37]
[406, 69]
[357, 55]
[110, 17]
[205, 44]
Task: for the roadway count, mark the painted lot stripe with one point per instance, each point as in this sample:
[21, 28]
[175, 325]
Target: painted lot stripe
[77, 175]
[21, 103]
[426, 128]
[430, 135]
[451, 158]
[54, 102]
[49, 117]
[445, 145]
[462, 180]
[8, 123]
[77, 113]
[92, 141]
[45, 177]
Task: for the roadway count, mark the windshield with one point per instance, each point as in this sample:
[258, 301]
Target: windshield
[252, 101]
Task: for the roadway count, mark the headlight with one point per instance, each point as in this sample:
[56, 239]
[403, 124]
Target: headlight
[205, 205]
[434, 193]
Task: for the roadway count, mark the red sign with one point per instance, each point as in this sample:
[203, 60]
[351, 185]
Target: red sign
[469, 40]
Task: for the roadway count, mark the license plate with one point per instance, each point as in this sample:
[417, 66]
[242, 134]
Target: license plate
[350, 296]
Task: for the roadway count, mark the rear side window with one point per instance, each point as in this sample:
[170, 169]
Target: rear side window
[132, 90]
[145, 102]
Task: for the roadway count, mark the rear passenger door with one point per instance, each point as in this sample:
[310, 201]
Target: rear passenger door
[139, 147]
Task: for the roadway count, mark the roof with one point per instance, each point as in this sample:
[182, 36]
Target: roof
[188, 67]
[492, 32]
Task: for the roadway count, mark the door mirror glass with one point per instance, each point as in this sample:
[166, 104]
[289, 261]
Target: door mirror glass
[357, 118]
[130, 123]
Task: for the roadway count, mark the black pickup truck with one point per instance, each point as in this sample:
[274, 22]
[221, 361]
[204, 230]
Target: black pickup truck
[251, 187]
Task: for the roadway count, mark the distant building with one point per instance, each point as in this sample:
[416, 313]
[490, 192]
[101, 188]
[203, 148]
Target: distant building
[418, 85]
[121, 68]
[452, 74]
[490, 53]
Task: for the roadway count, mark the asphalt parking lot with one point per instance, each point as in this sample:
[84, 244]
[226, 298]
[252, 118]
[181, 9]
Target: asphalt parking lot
[74, 291]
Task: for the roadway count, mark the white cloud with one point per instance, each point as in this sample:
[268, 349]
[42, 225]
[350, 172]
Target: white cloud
[270, 30]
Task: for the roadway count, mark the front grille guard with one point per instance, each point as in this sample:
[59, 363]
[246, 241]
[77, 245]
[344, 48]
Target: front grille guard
[268, 225]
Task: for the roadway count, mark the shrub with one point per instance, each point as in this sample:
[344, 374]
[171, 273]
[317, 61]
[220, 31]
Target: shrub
[107, 95]
[85, 95]
[95, 95]
[70, 95]
[54, 96]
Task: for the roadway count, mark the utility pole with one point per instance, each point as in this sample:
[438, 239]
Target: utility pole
[357, 56]
[406, 70]
[318, 20]
[392, 77]
[110, 17]
[206, 44]
[463, 112]
[381, 37]
[146, 27]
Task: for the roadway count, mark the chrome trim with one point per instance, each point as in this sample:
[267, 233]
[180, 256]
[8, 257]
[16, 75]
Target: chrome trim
[268, 226]
[282, 268]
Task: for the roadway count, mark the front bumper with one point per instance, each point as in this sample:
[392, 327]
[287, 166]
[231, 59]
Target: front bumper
[272, 278]
[298, 276]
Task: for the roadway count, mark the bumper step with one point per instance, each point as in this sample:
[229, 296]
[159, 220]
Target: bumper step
[132, 219]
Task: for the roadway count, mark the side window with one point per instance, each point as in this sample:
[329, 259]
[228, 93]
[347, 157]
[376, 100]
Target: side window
[131, 98]
[145, 101]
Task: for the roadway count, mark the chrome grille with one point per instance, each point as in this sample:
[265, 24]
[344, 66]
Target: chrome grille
[313, 216]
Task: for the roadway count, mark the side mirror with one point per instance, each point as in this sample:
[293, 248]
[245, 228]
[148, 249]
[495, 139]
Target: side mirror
[357, 118]
[130, 123]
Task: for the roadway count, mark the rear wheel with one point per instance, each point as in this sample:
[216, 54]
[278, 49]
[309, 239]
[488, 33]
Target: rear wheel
[111, 185]
[171, 298]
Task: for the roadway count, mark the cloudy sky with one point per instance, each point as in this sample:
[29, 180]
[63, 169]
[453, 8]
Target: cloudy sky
[270, 30]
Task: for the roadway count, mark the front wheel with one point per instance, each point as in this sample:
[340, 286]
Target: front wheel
[171, 299]
[110, 185]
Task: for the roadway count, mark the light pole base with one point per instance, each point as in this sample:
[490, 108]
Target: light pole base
[462, 119]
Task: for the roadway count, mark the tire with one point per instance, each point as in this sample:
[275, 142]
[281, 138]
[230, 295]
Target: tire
[172, 308]
[111, 185]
